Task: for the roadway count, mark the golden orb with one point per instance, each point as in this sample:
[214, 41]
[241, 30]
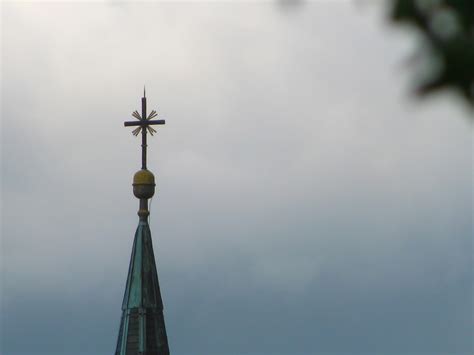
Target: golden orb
[144, 184]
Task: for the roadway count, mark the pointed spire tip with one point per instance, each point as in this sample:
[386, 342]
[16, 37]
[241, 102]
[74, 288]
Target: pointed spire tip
[144, 94]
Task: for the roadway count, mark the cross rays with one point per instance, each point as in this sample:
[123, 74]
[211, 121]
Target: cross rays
[137, 130]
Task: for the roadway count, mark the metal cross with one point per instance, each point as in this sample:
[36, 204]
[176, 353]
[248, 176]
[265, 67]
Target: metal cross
[144, 124]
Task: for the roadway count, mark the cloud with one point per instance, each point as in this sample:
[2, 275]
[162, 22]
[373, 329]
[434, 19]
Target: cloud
[304, 203]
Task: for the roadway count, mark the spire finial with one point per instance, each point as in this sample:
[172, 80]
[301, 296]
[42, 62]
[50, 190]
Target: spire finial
[144, 122]
[144, 91]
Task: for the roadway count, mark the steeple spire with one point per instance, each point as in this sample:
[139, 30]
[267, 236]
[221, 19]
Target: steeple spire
[142, 327]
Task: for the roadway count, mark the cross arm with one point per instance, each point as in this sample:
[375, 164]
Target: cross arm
[143, 123]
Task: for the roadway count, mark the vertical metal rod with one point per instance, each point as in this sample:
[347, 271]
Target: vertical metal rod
[143, 212]
[144, 133]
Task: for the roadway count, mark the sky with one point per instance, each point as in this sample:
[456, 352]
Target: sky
[307, 202]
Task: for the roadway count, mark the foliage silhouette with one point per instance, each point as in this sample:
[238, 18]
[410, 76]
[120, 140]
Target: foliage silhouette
[448, 29]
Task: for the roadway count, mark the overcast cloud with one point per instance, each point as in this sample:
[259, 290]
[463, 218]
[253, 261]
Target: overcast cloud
[306, 203]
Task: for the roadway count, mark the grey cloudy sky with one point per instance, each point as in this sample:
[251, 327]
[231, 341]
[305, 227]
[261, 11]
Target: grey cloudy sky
[307, 204]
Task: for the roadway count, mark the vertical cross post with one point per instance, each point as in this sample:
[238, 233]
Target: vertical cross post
[144, 131]
[144, 122]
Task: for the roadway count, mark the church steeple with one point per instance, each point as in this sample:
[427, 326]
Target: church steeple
[142, 327]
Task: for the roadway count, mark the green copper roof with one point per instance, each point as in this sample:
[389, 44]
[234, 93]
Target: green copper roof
[142, 328]
[142, 289]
